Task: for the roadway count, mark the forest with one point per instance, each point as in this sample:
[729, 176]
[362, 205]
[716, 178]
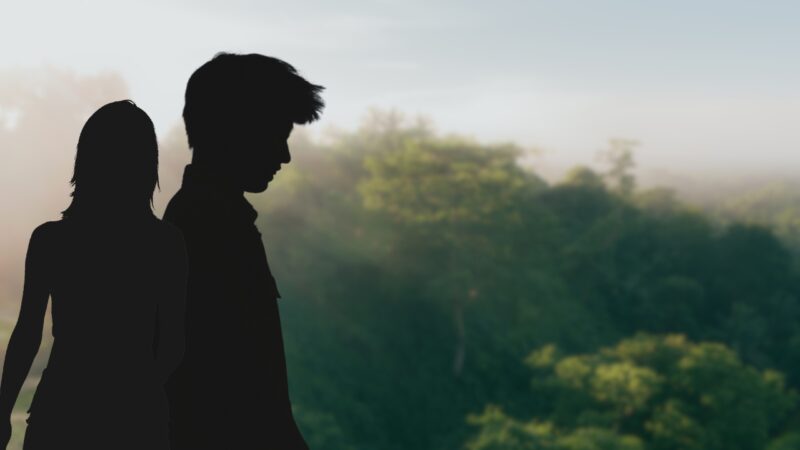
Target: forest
[437, 294]
[440, 296]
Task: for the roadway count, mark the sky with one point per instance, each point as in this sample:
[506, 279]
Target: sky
[714, 85]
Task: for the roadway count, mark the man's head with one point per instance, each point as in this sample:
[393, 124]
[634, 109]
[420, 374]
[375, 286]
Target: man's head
[239, 112]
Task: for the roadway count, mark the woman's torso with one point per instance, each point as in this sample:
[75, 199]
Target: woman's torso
[104, 277]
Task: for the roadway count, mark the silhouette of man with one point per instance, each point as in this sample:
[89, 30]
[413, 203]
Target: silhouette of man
[231, 390]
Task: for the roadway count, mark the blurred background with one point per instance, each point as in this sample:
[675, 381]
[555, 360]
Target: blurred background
[526, 225]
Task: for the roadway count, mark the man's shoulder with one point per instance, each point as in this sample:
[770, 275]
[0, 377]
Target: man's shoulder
[175, 207]
[194, 214]
[183, 209]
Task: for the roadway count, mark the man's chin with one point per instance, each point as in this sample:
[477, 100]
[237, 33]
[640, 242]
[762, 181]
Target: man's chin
[255, 188]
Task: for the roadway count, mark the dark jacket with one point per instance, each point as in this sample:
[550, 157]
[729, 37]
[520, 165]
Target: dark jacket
[231, 390]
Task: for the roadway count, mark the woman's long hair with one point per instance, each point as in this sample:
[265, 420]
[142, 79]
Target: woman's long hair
[116, 166]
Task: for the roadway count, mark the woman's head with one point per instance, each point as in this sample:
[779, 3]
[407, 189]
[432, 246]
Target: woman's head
[116, 166]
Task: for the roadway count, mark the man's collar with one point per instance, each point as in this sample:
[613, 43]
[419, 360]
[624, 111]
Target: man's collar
[208, 184]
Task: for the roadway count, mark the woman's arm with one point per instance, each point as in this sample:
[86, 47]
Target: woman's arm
[172, 310]
[27, 335]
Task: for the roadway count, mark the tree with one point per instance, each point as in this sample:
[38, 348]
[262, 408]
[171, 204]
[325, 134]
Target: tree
[501, 432]
[619, 156]
[453, 192]
[667, 391]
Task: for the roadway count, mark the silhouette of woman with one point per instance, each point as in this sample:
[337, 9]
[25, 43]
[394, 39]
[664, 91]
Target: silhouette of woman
[117, 278]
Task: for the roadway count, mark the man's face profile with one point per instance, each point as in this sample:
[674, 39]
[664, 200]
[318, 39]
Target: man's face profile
[262, 148]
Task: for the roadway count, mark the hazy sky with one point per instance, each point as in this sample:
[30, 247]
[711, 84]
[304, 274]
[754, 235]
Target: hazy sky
[713, 83]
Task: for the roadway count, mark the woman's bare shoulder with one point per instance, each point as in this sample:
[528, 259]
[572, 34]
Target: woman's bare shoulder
[47, 230]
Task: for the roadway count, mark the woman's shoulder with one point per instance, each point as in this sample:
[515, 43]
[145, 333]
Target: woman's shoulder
[49, 226]
[47, 230]
[45, 236]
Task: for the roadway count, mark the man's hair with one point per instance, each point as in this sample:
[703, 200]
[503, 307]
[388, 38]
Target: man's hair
[233, 86]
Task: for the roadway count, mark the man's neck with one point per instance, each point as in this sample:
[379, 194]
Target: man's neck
[211, 175]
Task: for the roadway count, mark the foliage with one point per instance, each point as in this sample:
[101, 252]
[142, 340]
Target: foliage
[418, 271]
[666, 390]
[501, 432]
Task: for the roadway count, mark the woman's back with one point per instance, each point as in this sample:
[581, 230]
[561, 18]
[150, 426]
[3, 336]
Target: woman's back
[107, 278]
[104, 286]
